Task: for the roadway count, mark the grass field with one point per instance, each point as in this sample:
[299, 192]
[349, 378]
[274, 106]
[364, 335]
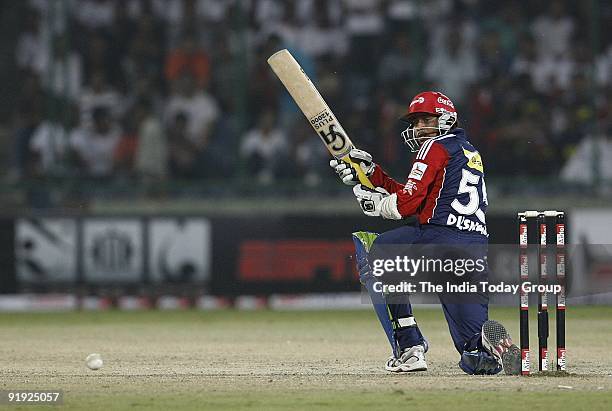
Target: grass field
[282, 360]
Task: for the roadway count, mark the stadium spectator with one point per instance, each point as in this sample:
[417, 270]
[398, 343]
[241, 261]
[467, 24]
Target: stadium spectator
[94, 146]
[288, 27]
[264, 148]
[398, 65]
[27, 116]
[200, 16]
[591, 162]
[95, 14]
[364, 24]
[320, 37]
[456, 82]
[400, 14]
[554, 72]
[311, 157]
[125, 151]
[120, 36]
[146, 51]
[49, 145]
[266, 14]
[264, 89]
[525, 60]
[493, 61]
[63, 76]
[509, 61]
[123, 27]
[509, 23]
[604, 67]
[522, 149]
[32, 45]
[223, 85]
[98, 56]
[182, 152]
[200, 107]
[332, 9]
[553, 30]
[578, 112]
[151, 163]
[98, 93]
[190, 59]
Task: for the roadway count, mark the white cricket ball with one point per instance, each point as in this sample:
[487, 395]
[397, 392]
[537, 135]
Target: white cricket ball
[94, 361]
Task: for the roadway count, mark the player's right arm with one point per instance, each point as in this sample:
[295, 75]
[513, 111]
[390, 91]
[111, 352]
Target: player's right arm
[380, 178]
[426, 179]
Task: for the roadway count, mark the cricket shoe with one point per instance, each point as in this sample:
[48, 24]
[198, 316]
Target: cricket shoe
[411, 359]
[497, 341]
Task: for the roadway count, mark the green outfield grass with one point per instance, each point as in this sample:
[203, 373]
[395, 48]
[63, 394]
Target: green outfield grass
[282, 360]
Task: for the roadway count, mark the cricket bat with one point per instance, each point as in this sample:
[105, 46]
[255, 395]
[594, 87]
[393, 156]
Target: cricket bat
[317, 112]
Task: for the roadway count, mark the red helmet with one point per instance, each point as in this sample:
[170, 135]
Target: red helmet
[433, 103]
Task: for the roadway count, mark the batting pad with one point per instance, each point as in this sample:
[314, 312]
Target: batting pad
[363, 241]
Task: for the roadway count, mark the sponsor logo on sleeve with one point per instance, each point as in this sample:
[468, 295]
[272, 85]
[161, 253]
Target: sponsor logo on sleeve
[410, 187]
[418, 169]
[474, 160]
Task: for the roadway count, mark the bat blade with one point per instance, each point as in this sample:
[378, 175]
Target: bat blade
[315, 109]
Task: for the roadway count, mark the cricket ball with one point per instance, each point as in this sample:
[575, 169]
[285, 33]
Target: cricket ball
[94, 361]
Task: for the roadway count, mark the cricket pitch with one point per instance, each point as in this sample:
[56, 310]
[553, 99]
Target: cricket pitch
[284, 360]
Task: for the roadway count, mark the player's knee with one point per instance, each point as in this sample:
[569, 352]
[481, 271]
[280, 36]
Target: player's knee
[387, 237]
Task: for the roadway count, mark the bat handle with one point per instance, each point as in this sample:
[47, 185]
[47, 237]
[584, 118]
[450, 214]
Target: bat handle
[363, 179]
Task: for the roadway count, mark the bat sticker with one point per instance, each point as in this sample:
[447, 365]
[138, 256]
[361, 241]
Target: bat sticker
[333, 139]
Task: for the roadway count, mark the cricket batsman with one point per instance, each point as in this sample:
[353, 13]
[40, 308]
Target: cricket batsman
[446, 191]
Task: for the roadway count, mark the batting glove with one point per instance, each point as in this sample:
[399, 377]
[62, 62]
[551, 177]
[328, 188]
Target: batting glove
[377, 202]
[370, 199]
[347, 174]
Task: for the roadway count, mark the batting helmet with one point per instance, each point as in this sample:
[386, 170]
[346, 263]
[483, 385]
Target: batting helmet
[433, 103]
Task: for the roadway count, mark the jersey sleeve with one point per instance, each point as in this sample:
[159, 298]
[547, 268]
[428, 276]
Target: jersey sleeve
[425, 178]
[381, 179]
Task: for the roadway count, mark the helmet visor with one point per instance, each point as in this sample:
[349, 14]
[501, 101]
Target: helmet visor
[414, 139]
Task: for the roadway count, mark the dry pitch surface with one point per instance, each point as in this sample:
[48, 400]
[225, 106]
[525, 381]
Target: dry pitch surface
[282, 360]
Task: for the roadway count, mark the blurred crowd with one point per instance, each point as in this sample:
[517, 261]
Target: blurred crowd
[175, 90]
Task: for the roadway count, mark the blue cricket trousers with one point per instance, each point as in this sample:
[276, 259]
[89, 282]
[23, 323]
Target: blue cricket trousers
[464, 320]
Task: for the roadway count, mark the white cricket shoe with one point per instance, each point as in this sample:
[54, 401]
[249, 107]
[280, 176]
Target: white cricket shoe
[411, 359]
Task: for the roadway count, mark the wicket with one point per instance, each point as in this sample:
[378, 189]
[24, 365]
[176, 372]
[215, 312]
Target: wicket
[542, 255]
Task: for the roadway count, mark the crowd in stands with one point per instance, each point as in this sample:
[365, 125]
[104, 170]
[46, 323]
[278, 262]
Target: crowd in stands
[162, 90]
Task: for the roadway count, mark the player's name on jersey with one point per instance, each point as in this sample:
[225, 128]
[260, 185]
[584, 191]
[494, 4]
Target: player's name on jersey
[465, 224]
